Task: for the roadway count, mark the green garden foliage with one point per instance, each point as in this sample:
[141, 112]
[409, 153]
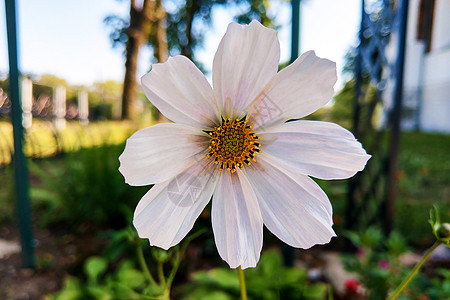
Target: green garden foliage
[85, 187]
[378, 265]
[126, 274]
[100, 283]
[269, 280]
[440, 286]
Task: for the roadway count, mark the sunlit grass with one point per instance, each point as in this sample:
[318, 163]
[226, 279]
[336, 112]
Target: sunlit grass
[43, 140]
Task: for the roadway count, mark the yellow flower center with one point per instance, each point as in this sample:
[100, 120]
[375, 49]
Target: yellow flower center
[232, 144]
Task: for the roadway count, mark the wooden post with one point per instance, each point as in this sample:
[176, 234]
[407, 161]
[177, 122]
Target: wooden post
[27, 101]
[59, 107]
[83, 107]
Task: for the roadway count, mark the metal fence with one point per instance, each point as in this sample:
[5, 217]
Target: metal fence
[371, 193]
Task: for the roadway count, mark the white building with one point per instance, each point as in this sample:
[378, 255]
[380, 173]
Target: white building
[427, 66]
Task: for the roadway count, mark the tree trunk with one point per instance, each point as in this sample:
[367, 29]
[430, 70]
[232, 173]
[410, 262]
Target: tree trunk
[161, 48]
[138, 31]
[191, 8]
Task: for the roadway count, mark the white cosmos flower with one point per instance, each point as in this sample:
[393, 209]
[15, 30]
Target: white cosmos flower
[226, 127]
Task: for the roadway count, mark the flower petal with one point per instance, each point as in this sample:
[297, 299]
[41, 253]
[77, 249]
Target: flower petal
[181, 92]
[319, 149]
[293, 206]
[247, 58]
[237, 221]
[169, 210]
[157, 153]
[295, 92]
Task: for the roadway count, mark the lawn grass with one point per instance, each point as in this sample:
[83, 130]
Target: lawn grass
[423, 180]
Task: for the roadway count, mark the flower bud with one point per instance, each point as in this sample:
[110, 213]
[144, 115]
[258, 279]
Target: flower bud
[440, 230]
[443, 231]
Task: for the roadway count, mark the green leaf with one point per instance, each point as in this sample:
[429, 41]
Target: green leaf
[44, 194]
[353, 237]
[99, 292]
[94, 267]
[69, 295]
[131, 278]
[72, 290]
[371, 238]
[206, 294]
[396, 244]
[316, 292]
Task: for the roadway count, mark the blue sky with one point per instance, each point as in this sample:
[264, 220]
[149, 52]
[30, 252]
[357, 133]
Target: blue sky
[70, 40]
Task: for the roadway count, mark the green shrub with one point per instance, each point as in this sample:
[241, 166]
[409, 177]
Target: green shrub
[269, 280]
[85, 186]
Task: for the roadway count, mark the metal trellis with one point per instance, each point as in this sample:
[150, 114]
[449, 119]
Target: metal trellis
[371, 193]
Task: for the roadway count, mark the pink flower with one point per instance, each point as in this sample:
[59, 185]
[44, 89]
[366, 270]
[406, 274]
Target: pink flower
[383, 264]
[231, 143]
[360, 252]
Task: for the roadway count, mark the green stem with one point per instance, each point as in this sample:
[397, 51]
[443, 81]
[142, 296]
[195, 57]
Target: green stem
[175, 265]
[144, 266]
[165, 295]
[179, 253]
[414, 271]
[330, 292]
[162, 277]
[242, 283]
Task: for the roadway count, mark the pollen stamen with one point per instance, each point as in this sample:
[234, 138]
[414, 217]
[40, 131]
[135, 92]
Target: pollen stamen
[232, 144]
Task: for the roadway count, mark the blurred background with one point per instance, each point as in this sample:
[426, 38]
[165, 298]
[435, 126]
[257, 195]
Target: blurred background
[80, 62]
